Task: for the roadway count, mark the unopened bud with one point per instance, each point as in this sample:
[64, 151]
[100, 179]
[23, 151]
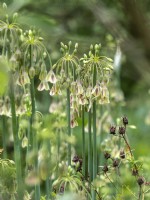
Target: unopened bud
[91, 47]
[69, 43]
[32, 72]
[15, 15]
[4, 6]
[76, 45]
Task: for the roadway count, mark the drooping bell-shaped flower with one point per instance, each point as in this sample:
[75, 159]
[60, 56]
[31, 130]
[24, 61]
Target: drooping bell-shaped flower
[43, 86]
[51, 77]
[89, 92]
[73, 87]
[23, 79]
[80, 89]
[55, 90]
[73, 122]
[96, 91]
[104, 98]
[82, 100]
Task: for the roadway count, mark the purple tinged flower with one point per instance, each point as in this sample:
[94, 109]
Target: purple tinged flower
[96, 91]
[80, 89]
[23, 79]
[104, 98]
[73, 123]
[73, 87]
[43, 86]
[55, 90]
[89, 92]
[51, 77]
[82, 100]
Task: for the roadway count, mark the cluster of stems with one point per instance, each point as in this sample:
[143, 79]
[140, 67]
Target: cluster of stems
[85, 81]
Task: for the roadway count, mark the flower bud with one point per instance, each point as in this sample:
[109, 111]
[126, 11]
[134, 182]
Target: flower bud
[40, 38]
[90, 54]
[69, 43]
[66, 47]
[62, 45]
[91, 47]
[96, 47]
[15, 15]
[32, 72]
[30, 32]
[4, 6]
[62, 50]
[76, 45]
[75, 51]
[24, 142]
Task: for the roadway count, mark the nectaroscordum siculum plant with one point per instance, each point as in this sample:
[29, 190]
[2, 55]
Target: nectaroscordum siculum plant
[24, 52]
[9, 33]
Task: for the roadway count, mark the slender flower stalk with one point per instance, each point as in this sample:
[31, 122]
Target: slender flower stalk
[83, 144]
[94, 136]
[32, 134]
[48, 180]
[90, 168]
[17, 152]
[68, 125]
[4, 136]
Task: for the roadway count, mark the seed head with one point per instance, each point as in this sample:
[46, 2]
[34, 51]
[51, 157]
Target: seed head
[107, 155]
[141, 180]
[122, 130]
[75, 158]
[105, 169]
[135, 172]
[122, 154]
[113, 130]
[116, 163]
[125, 120]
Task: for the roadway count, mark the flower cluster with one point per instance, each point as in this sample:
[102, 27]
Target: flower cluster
[78, 76]
[22, 104]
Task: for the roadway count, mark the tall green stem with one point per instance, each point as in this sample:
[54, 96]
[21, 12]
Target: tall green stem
[32, 133]
[48, 180]
[83, 143]
[69, 128]
[4, 136]
[17, 153]
[68, 117]
[90, 168]
[94, 136]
